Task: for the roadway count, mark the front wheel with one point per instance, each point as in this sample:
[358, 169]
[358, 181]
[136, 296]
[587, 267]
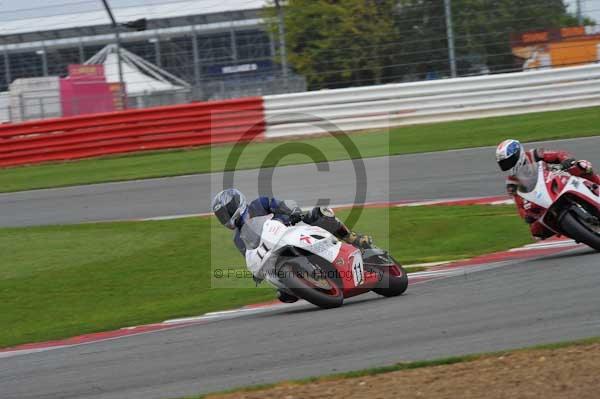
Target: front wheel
[314, 284]
[579, 231]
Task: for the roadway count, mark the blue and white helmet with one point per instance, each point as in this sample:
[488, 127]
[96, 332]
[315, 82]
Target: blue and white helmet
[510, 155]
[230, 207]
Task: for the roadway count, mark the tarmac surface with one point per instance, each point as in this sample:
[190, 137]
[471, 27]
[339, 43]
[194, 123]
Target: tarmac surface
[437, 175]
[516, 304]
[510, 305]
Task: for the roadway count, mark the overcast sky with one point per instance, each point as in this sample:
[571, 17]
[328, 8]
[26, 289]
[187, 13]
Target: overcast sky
[20, 9]
[590, 8]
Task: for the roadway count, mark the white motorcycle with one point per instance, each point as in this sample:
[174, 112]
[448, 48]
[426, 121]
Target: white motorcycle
[312, 264]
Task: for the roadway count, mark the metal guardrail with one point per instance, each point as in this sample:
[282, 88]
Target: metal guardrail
[432, 101]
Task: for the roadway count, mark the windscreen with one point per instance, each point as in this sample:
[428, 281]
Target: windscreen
[527, 176]
[252, 231]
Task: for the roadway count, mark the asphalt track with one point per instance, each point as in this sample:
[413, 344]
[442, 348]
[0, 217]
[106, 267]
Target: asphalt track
[514, 305]
[438, 175]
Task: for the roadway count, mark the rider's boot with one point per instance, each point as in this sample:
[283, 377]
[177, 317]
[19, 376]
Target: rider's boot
[326, 219]
[358, 240]
[539, 232]
[285, 297]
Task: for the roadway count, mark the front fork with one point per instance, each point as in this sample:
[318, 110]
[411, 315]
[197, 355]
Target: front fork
[568, 205]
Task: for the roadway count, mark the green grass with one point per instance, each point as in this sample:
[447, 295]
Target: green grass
[403, 140]
[406, 366]
[60, 281]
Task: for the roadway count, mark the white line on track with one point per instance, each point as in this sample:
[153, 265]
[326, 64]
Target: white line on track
[368, 204]
[546, 245]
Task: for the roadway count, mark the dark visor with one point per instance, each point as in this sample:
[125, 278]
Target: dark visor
[223, 215]
[509, 162]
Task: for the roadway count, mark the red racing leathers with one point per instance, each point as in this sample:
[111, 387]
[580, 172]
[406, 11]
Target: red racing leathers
[531, 212]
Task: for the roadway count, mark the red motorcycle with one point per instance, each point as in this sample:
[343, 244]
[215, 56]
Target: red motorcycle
[572, 204]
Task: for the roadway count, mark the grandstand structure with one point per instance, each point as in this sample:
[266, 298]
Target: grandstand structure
[222, 49]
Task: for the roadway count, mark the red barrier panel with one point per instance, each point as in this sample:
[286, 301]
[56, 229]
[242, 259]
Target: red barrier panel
[134, 130]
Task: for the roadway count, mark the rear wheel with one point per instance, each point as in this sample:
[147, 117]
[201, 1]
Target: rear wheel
[392, 278]
[315, 284]
[393, 281]
[579, 230]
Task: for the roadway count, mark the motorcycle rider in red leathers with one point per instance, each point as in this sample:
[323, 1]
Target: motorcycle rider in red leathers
[511, 156]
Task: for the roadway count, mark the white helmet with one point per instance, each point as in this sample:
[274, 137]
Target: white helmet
[510, 155]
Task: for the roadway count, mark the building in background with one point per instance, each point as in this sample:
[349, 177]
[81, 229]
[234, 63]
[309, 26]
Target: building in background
[222, 51]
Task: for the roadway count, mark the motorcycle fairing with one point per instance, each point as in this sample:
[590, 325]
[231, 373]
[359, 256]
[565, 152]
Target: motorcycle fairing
[552, 187]
[275, 237]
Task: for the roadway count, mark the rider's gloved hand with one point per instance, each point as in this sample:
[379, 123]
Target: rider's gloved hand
[568, 163]
[585, 166]
[296, 215]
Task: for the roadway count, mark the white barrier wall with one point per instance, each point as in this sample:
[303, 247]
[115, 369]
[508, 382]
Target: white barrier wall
[35, 98]
[4, 107]
[432, 101]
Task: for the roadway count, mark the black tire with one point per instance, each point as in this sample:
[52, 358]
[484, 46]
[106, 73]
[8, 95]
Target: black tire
[391, 285]
[577, 230]
[290, 274]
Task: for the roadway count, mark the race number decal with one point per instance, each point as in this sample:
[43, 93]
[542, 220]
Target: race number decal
[357, 269]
